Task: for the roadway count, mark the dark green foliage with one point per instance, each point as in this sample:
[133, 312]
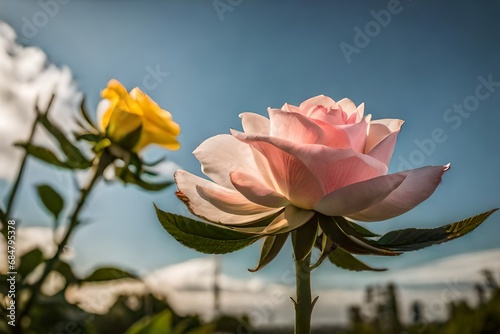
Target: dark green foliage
[204, 237]
[50, 199]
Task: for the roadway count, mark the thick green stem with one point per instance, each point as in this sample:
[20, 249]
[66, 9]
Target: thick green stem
[98, 170]
[304, 304]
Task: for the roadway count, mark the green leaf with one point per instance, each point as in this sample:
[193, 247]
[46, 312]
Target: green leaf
[29, 262]
[325, 246]
[270, 248]
[159, 323]
[43, 154]
[204, 329]
[345, 260]
[107, 274]
[303, 239]
[335, 228]
[412, 238]
[128, 177]
[75, 158]
[203, 237]
[363, 231]
[51, 199]
[66, 271]
[89, 137]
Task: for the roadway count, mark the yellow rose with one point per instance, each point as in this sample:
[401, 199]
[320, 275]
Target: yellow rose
[133, 120]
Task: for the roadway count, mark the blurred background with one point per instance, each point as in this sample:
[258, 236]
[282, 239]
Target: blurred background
[434, 65]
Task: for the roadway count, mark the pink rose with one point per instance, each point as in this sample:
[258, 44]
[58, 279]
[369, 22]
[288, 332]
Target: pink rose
[322, 156]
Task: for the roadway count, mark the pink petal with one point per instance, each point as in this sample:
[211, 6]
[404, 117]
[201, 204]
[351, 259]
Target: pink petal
[320, 100]
[187, 185]
[255, 191]
[333, 168]
[254, 123]
[294, 127]
[358, 196]
[222, 154]
[299, 128]
[293, 179]
[291, 219]
[379, 130]
[418, 185]
[291, 108]
[350, 110]
[357, 133]
[230, 201]
[383, 150]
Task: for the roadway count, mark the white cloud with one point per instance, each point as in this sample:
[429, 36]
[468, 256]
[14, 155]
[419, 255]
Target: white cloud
[25, 75]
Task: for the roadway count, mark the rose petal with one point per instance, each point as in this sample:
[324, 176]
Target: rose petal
[333, 168]
[379, 130]
[291, 219]
[350, 110]
[293, 179]
[320, 100]
[358, 196]
[306, 130]
[255, 123]
[187, 185]
[294, 127]
[383, 150]
[357, 133]
[418, 185]
[222, 154]
[230, 201]
[255, 191]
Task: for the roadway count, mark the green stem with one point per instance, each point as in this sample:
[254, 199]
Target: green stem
[304, 304]
[98, 169]
[17, 182]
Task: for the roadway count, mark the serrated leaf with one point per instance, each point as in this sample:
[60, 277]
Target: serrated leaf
[107, 274]
[345, 260]
[29, 262]
[203, 237]
[270, 248]
[51, 199]
[76, 159]
[331, 226]
[303, 239]
[159, 323]
[412, 238]
[128, 177]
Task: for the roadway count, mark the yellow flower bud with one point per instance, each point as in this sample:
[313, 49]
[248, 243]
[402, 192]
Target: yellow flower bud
[133, 120]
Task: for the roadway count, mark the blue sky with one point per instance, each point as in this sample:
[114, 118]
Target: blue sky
[420, 65]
